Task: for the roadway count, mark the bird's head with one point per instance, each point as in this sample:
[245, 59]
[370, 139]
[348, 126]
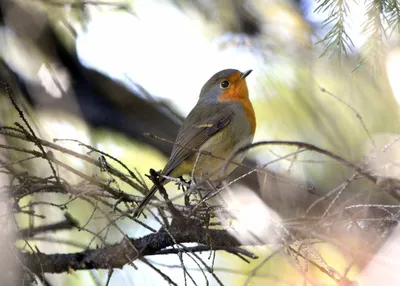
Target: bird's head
[225, 85]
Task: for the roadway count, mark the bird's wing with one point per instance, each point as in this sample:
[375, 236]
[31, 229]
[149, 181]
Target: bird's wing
[192, 135]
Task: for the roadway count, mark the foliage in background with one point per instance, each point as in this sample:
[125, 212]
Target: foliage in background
[382, 20]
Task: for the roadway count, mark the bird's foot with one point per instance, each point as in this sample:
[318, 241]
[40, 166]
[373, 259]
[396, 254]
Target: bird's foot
[183, 183]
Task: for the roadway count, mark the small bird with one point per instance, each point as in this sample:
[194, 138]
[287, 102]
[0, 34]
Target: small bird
[221, 122]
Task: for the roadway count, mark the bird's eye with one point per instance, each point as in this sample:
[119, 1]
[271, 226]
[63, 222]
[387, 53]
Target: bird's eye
[224, 84]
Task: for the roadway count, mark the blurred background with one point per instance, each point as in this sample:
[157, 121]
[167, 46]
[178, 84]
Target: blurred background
[106, 72]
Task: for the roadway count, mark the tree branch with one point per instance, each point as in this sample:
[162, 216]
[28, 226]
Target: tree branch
[68, 223]
[124, 252]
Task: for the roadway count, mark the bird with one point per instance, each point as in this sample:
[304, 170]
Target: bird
[222, 121]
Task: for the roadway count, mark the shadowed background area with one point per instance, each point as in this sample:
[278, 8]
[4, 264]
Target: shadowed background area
[108, 73]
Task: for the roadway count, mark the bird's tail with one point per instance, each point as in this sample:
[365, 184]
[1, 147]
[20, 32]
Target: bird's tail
[145, 202]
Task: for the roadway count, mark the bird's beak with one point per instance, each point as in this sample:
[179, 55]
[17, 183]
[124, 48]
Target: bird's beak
[245, 74]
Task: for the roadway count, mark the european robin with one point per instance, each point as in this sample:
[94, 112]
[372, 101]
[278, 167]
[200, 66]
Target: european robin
[222, 121]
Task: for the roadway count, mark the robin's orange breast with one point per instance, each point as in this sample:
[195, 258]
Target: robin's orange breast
[240, 93]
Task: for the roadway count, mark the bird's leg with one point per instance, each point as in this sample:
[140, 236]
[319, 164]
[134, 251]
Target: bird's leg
[189, 187]
[182, 184]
